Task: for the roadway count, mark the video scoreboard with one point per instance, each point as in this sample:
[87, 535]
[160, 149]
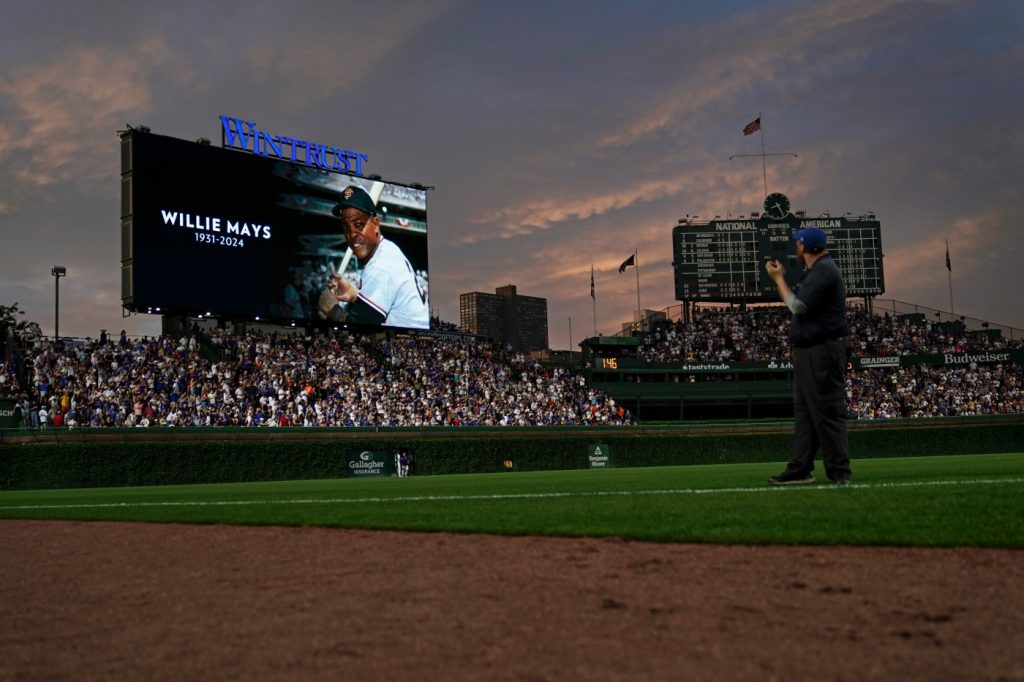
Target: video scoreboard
[233, 235]
[723, 260]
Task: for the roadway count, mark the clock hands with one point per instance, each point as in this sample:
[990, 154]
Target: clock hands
[776, 206]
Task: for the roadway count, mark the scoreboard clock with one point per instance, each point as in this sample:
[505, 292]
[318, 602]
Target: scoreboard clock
[776, 206]
[723, 260]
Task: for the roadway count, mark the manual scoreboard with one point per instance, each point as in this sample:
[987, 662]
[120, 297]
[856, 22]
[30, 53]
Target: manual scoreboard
[723, 260]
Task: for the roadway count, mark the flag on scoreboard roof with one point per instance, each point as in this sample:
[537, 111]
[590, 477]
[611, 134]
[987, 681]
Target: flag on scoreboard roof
[592, 281]
[948, 265]
[753, 126]
[626, 263]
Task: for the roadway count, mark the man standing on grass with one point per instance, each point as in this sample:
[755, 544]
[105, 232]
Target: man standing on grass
[819, 333]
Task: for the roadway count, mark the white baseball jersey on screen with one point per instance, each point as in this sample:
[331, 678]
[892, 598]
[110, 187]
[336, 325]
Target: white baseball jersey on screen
[389, 287]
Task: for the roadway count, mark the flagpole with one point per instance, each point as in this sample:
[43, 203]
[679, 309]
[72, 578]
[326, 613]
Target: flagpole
[639, 314]
[570, 339]
[764, 152]
[949, 272]
[764, 167]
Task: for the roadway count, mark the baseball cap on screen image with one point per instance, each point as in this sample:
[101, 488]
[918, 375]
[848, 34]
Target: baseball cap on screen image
[810, 237]
[355, 197]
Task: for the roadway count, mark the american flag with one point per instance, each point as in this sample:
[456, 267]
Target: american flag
[591, 281]
[753, 126]
[949, 266]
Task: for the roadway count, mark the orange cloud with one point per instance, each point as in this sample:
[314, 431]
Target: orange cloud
[66, 107]
[731, 190]
[921, 264]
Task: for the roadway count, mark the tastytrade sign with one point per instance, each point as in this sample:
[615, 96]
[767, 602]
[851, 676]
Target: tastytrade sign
[247, 137]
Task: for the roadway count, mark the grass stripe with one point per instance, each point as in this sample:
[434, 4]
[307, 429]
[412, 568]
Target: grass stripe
[937, 501]
[521, 496]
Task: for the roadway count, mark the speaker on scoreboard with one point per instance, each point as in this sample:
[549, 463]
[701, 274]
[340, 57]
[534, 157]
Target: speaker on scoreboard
[127, 207]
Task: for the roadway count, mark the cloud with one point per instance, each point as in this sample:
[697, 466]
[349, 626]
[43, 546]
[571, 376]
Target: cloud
[63, 110]
[543, 213]
[919, 265]
[813, 41]
[347, 45]
[721, 191]
[785, 51]
[548, 157]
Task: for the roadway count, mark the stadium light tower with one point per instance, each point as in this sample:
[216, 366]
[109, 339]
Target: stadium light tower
[58, 271]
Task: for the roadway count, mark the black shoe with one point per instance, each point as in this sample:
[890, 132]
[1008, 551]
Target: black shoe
[791, 478]
[842, 480]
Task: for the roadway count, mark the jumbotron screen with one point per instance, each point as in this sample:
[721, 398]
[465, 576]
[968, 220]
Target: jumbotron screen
[247, 237]
[723, 260]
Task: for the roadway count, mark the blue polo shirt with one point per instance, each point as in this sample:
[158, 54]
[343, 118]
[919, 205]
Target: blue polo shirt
[821, 289]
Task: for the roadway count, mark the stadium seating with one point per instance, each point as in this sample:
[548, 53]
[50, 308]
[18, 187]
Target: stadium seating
[280, 380]
[273, 380]
[761, 334]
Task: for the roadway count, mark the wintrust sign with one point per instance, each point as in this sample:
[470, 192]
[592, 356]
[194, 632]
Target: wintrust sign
[247, 136]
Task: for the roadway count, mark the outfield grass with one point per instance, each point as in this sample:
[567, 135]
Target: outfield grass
[972, 500]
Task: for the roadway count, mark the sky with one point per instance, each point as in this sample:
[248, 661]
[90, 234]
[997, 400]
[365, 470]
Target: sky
[559, 135]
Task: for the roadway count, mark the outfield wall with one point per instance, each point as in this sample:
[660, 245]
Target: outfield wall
[125, 457]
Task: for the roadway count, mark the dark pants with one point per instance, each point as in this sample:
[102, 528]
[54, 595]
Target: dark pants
[819, 408]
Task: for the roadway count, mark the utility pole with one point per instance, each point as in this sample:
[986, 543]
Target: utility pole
[58, 271]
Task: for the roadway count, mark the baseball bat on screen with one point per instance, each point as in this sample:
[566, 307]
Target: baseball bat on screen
[344, 261]
[337, 273]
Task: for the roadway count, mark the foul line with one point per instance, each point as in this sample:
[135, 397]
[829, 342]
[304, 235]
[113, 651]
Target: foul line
[521, 496]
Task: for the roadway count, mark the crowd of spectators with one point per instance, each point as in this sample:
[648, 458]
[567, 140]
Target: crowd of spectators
[922, 391]
[289, 380]
[721, 335]
[9, 382]
[467, 382]
[885, 336]
[453, 379]
[761, 334]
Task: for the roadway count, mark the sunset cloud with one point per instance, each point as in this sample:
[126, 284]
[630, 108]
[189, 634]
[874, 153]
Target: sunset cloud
[66, 108]
[557, 135]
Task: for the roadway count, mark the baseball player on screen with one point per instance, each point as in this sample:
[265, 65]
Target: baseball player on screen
[389, 294]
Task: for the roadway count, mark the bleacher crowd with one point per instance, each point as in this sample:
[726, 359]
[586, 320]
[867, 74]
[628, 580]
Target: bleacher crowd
[273, 380]
[922, 391]
[281, 380]
[723, 335]
[761, 334]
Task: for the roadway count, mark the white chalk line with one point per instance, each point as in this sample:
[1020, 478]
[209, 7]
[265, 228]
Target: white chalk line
[517, 496]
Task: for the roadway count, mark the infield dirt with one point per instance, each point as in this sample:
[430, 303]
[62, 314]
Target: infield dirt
[106, 600]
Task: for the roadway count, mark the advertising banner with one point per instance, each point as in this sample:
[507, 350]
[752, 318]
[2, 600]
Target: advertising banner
[369, 463]
[880, 362]
[599, 455]
[8, 418]
[991, 357]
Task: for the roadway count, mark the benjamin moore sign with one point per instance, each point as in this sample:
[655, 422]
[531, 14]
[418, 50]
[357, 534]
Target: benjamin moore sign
[246, 136]
[599, 456]
[367, 463]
